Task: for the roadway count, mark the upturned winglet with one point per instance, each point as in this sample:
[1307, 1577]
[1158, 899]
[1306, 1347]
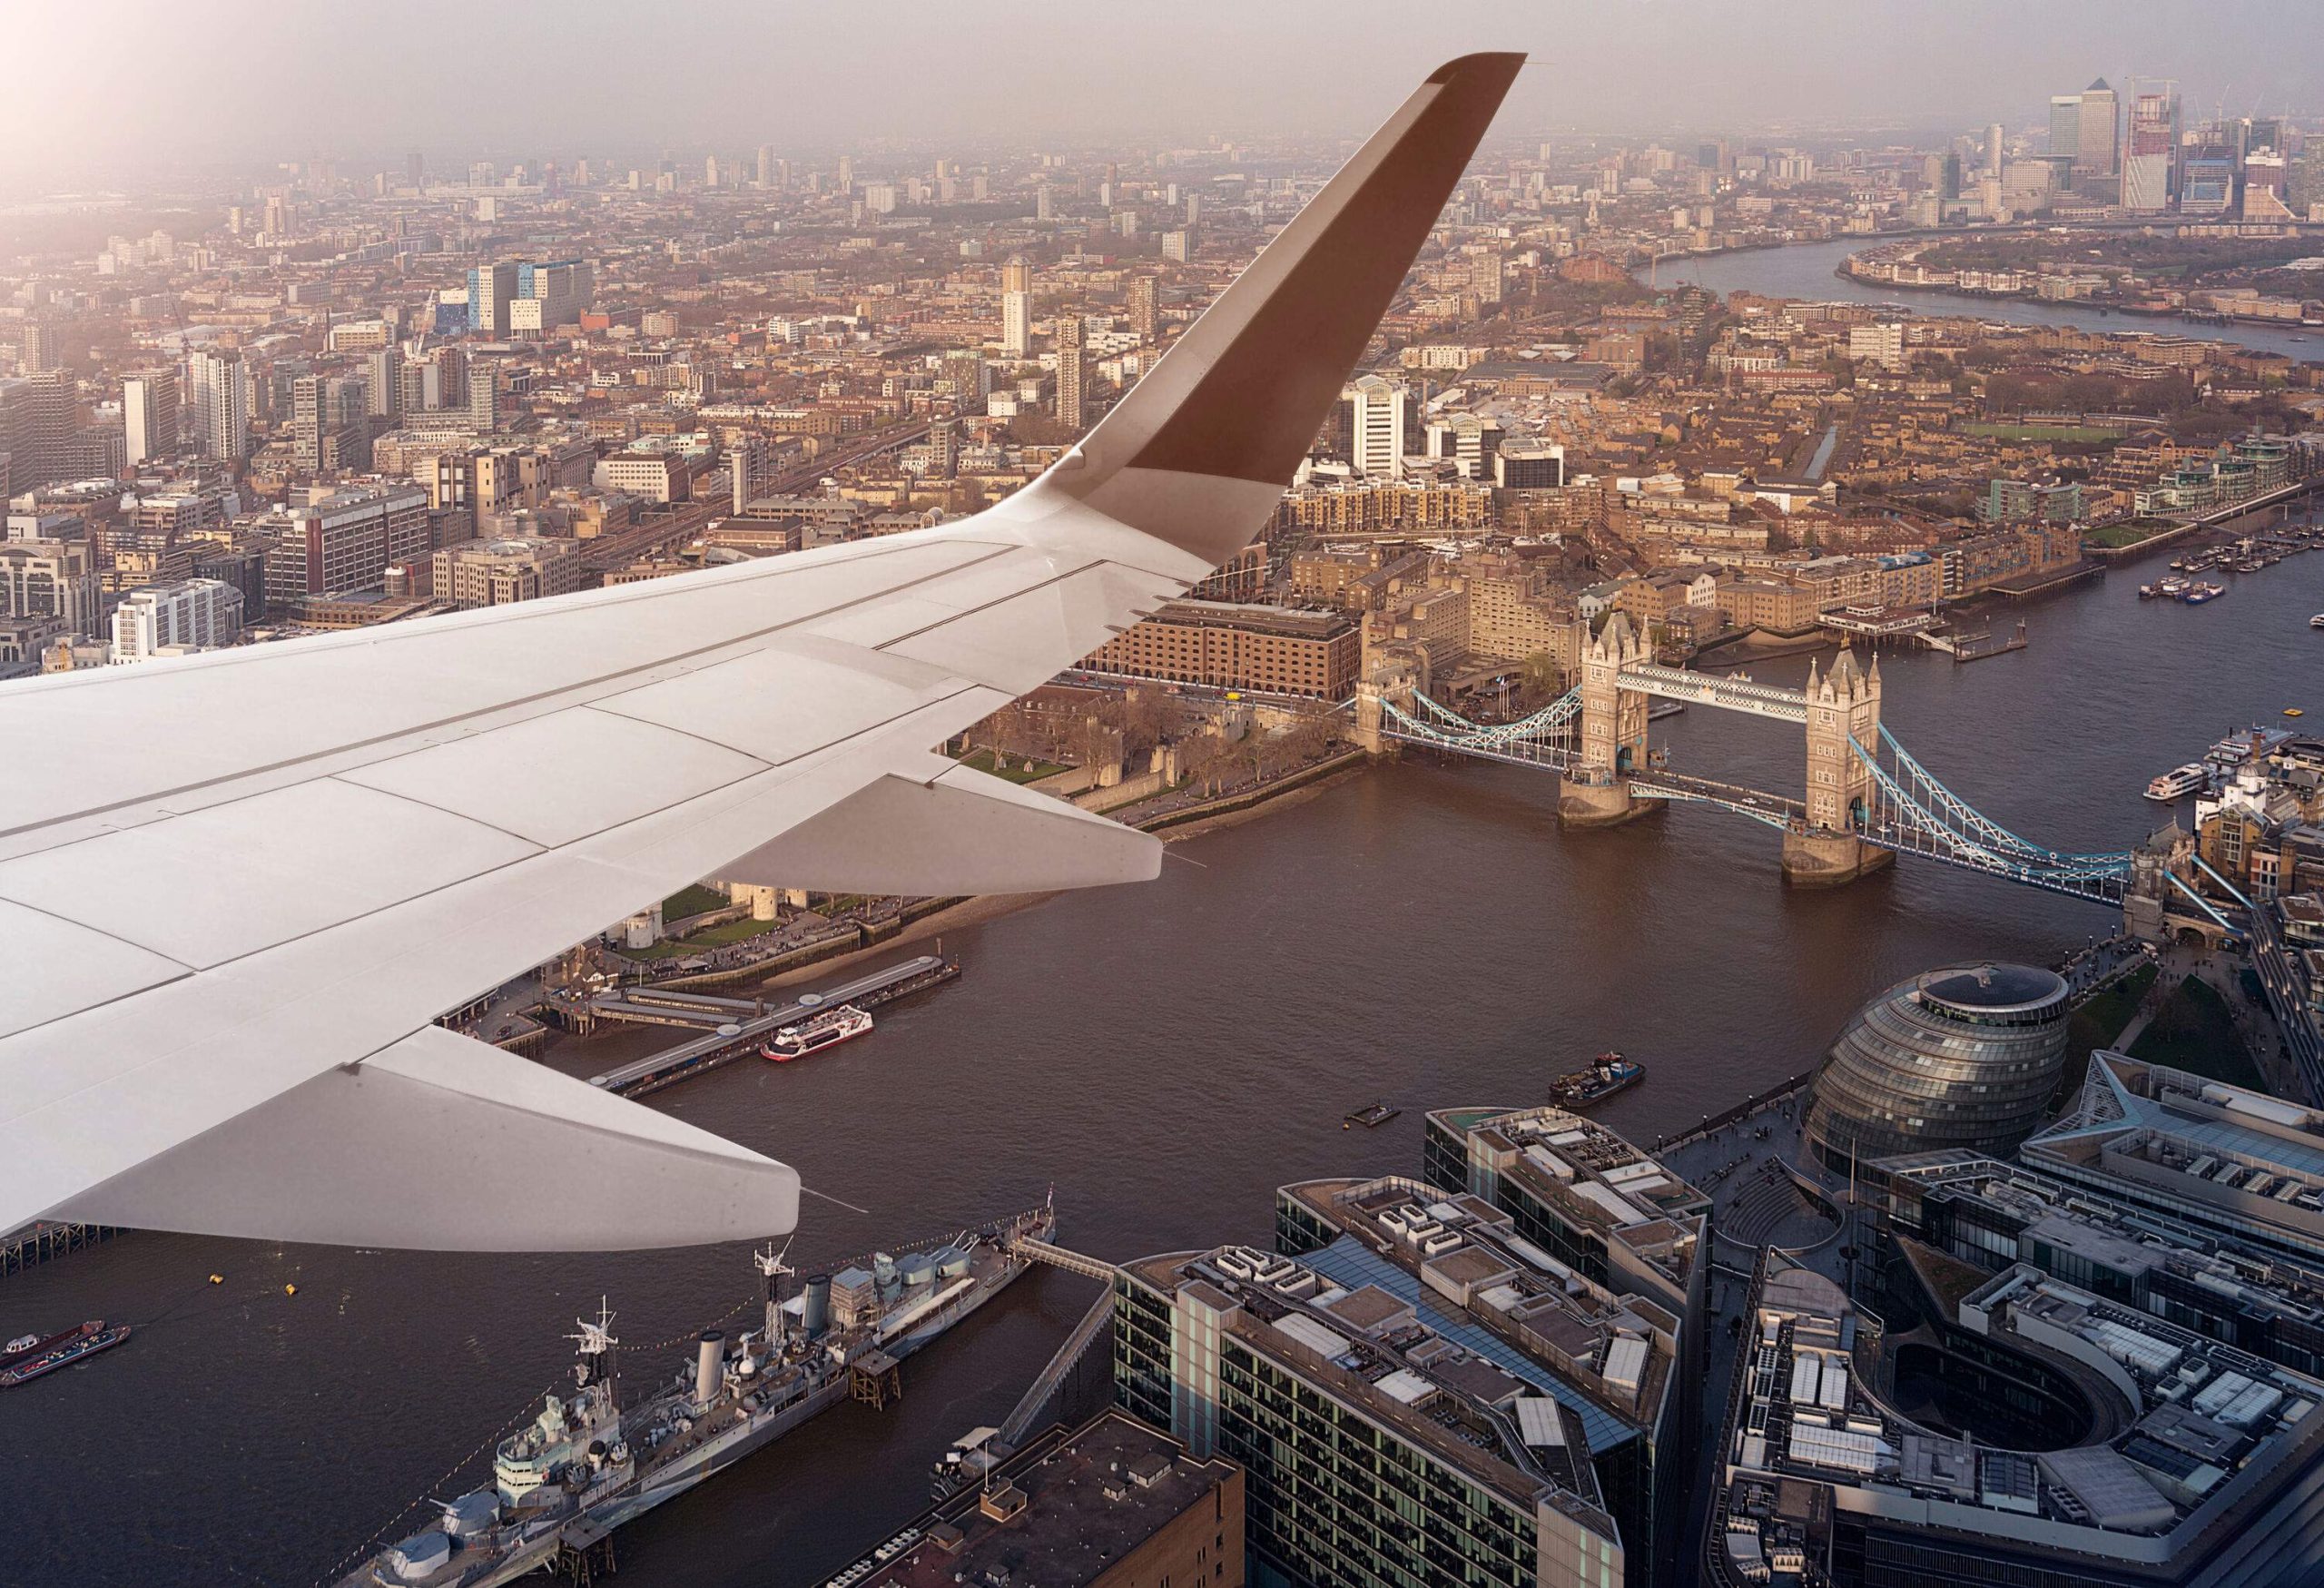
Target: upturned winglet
[1198, 450]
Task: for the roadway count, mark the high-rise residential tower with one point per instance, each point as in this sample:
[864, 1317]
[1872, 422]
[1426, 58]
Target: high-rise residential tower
[1071, 371]
[1144, 321]
[219, 400]
[149, 415]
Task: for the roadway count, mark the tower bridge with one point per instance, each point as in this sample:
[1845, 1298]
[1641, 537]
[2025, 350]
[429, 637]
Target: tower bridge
[1865, 798]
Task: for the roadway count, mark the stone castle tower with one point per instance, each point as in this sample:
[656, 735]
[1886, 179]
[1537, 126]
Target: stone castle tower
[1613, 719]
[1842, 705]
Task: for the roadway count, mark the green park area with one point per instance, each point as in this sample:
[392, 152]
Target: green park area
[2098, 1021]
[2194, 1032]
[2129, 532]
[1015, 768]
[708, 938]
[696, 900]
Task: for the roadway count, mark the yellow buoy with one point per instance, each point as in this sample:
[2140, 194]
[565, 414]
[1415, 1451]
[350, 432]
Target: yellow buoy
[289, 1290]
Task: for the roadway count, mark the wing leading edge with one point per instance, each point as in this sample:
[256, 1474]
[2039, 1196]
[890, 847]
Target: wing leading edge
[235, 891]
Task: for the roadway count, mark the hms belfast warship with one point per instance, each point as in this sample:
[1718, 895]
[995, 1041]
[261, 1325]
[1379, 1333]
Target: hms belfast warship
[587, 1463]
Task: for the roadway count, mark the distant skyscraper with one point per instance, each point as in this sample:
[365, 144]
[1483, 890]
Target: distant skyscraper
[2148, 186]
[415, 169]
[1070, 370]
[1379, 427]
[766, 165]
[220, 393]
[148, 416]
[41, 347]
[484, 397]
[2097, 133]
[383, 379]
[746, 468]
[2065, 125]
[1485, 276]
[1144, 320]
[1041, 202]
[1992, 149]
[1017, 324]
[328, 427]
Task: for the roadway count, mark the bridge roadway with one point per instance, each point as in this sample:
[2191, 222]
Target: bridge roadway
[733, 1038]
[1774, 810]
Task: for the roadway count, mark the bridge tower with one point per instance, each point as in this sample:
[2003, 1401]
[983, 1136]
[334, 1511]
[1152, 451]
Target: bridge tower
[1843, 705]
[1389, 680]
[1597, 789]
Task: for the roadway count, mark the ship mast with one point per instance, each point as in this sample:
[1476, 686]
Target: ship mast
[597, 1342]
[772, 1268]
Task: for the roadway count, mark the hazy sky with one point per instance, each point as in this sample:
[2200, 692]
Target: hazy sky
[94, 81]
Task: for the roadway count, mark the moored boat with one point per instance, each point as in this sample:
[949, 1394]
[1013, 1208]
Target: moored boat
[2178, 782]
[1608, 1074]
[27, 1356]
[812, 1035]
[592, 1461]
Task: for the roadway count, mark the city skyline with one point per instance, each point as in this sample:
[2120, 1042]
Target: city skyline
[586, 629]
[437, 79]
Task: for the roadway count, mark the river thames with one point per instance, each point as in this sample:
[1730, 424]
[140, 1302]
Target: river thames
[1807, 272]
[1164, 1056]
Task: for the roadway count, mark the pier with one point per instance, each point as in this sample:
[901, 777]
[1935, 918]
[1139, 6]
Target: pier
[43, 1239]
[733, 1027]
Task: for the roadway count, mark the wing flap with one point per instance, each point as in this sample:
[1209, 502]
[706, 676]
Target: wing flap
[443, 1142]
[948, 829]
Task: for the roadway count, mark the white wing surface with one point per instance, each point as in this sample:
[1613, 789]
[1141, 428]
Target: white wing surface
[237, 889]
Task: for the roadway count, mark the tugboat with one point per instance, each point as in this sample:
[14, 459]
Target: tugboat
[1371, 1116]
[827, 1030]
[1608, 1074]
[27, 1356]
[2203, 590]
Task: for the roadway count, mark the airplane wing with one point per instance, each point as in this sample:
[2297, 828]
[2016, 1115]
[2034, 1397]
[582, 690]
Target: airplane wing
[237, 890]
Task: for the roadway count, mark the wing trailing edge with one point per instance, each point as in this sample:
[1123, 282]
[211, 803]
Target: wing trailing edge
[445, 1143]
[941, 829]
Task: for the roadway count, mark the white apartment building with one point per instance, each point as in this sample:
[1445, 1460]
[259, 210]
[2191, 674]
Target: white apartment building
[163, 619]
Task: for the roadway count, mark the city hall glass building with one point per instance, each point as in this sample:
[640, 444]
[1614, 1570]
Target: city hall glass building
[1966, 1057]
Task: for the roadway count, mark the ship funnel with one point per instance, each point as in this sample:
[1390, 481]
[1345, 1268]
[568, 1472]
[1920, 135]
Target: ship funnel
[815, 1316]
[709, 1363]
